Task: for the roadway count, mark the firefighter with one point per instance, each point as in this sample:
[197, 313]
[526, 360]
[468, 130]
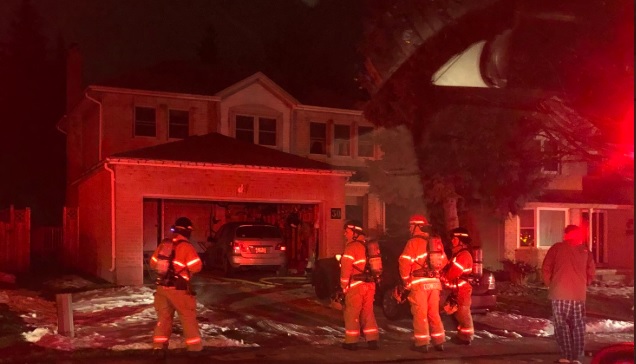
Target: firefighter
[175, 261]
[420, 264]
[358, 287]
[458, 270]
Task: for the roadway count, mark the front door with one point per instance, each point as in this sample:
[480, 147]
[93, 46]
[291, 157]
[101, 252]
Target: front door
[596, 228]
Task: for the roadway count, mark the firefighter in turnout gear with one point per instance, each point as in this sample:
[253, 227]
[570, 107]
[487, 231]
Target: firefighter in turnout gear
[358, 285]
[420, 264]
[459, 269]
[175, 261]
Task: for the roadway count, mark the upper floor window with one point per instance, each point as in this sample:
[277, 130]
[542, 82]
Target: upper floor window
[342, 140]
[178, 124]
[365, 141]
[541, 228]
[257, 130]
[145, 121]
[317, 138]
[549, 151]
[551, 163]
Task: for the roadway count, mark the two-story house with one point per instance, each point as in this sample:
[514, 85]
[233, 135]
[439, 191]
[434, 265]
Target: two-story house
[142, 151]
[138, 158]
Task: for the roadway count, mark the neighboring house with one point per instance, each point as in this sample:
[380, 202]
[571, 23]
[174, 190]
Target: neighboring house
[569, 199]
[140, 156]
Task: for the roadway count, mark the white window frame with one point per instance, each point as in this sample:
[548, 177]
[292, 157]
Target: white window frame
[336, 145]
[537, 226]
[256, 125]
[170, 124]
[357, 142]
[135, 121]
[542, 143]
[312, 140]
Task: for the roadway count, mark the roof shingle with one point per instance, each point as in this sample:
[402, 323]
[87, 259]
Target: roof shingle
[215, 148]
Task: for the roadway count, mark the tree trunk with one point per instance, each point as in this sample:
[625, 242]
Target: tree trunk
[450, 213]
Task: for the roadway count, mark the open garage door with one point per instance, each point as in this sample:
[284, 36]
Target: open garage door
[297, 223]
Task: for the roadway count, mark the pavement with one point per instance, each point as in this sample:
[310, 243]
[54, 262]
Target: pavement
[536, 350]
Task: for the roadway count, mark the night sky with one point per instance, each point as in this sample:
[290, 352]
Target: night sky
[312, 41]
[116, 35]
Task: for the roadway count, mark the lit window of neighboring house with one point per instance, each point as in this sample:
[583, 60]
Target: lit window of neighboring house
[178, 124]
[145, 122]
[257, 130]
[365, 141]
[342, 140]
[541, 227]
[317, 138]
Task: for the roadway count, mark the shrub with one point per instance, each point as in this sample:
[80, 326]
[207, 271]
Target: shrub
[519, 270]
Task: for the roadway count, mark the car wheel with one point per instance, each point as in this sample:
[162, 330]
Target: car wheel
[390, 307]
[321, 284]
[227, 268]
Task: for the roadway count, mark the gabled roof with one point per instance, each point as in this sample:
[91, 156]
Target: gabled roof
[266, 82]
[198, 78]
[215, 148]
[175, 76]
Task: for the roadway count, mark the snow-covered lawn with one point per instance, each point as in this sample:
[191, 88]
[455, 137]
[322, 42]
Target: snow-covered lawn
[122, 318]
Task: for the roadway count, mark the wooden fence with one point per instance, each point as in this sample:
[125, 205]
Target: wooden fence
[15, 240]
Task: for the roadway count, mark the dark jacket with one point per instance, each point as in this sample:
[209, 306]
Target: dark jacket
[567, 270]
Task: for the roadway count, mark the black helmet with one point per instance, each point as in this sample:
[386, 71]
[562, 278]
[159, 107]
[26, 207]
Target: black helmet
[461, 234]
[182, 226]
[354, 225]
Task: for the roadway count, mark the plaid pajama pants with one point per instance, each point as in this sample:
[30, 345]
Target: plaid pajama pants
[569, 327]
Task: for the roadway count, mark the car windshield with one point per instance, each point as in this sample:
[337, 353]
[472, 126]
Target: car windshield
[258, 232]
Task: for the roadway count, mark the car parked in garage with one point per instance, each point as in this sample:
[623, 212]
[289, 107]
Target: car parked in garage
[326, 275]
[242, 245]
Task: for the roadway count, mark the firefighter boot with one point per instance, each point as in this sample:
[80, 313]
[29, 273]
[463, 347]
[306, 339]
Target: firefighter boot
[350, 346]
[420, 348]
[373, 345]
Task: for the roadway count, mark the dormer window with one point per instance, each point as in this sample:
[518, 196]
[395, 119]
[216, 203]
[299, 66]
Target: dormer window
[178, 124]
[257, 130]
[145, 122]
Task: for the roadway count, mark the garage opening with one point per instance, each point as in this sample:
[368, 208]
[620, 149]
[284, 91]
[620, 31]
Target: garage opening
[296, 221]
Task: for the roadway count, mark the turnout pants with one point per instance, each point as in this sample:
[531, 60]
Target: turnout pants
[465, 329]
[167, 301]
[427, 323]
[358, 313]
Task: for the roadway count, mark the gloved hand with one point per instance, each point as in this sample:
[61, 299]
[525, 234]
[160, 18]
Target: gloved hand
[339, 296]
[400, 293]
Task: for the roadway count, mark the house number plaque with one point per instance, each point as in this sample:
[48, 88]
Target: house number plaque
[336, 213]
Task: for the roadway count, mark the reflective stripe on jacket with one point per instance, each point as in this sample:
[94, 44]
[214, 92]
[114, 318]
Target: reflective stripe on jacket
[352, 262]
[461, 264]
[414, 258]
[186, 260]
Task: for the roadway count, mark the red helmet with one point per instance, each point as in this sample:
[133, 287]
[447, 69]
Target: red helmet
[418, 220]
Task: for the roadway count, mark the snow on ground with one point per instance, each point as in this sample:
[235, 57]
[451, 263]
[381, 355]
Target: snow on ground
[123, 318]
